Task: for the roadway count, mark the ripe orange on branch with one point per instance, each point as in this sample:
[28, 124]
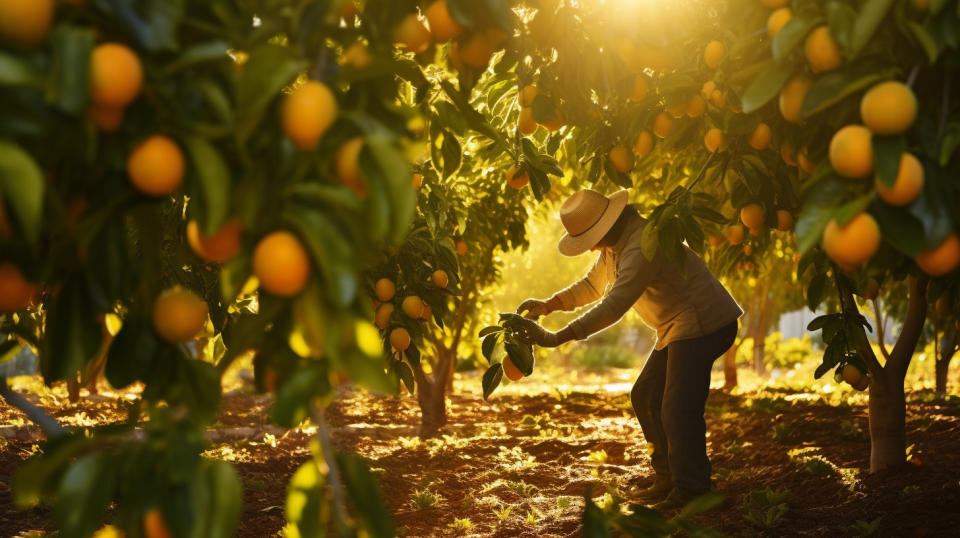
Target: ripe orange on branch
[662, 125]
[908, 184]
[155, 166]
[888, 108]
[942, 259]
[760, 137]
[527, 95]
[640, 89]
[621, 158]
[851, 152]
[385, 289]
[154, 526]
[347, 165]
[25, 22]
[400, 339]
[219, 247]
[777, 20]
[713, 54]
[411, 35]
[525, 122]
[512, 372]
[854, 243]
[517, 179]
[822, 51]
[477, 50]
[179, 314]
[803, 160]
[784, 220]
[383, 314]
[696, 106]
[713, 139]
[791, 97]
[116, 75]
[440, 278]
[281, 264]
[308, 111]
[643, 145]
[412, 306]
[735, 234]
[752, 216]
[442, 25]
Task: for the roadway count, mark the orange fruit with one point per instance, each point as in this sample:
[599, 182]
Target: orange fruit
[440, 278]
[677, 110]
[307, 112]
[427, 312]
[107, 118]
[556, 123]
[384, 289]
[219, 247]
[461, 247]
[791, 97]
[786, 152]
[662, 125]
[383, 315]
[696, 106]
[747, 250]
[412, 306]
[517, 180]
[708, 88]
[442, 25]
[804, 161]
[400, 339]
[908, 185]
[823, 53]
[888, 108]
[942, 259]
[155, 166]
[713, 139]
[852, 375]
[347, 166]
[356, 56]
[527, 95]
[512, 372]
[25, 23]
[718, 98]
[643, 145]
[752, 216]
[853, 244]
[179, 314]
[784, 220]
[417, 180]
[621, 158]
[411, 35]
[16, 293]
[525, 122]
[715, 240]
[640, 89]
[735, 234]
[281, 264]
[851, 152]
[777, 20]
[477, 50]
[154, 525]
[348, 9]
[760, 137]
[713, 54]
[116, 75]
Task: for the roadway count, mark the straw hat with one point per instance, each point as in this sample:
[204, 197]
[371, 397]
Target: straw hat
[588, 216]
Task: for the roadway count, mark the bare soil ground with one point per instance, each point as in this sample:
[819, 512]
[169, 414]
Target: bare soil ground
[520, 464]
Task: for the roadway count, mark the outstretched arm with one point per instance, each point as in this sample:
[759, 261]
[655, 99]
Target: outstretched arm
[585, 291]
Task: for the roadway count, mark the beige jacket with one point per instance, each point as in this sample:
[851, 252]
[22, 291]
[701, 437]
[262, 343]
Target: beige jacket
[679, 305]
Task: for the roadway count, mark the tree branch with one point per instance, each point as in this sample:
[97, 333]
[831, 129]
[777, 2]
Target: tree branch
[878, 317]
[51, 428]
[912, 326]
[862, 345]
[333, 471]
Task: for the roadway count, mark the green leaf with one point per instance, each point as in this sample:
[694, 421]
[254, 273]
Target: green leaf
[368, 372]
[293, 397]
[452, 155]
[331, 252]
[853, 208]
[269, 68]
[15, 72]
[208, 51]
[818, 208]
[841, 16]
[899, 228]
[871, 14]
[132, 351]
[365, 496]
[792, 34]
[766, 86]
[491, 379]
[594, 522]
[488, 345]
[306, 495]
[396, 171]
[887, 151]
[218, 485]
[703, 503]
[815, 291]
[214, 178]
[68, 78]
[925, 39]
[72, 336]
[489, 330]
[832, 88]
[85, 492]
[22, 185]
[521, 356]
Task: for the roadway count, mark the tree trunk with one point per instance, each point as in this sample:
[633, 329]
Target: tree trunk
[730, 368]
[948, 347]
[433, 407]
[887, 409]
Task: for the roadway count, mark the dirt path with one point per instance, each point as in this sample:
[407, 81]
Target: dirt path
[520, 464]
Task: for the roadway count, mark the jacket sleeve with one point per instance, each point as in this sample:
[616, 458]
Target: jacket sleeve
[588, 289]
[636, 273]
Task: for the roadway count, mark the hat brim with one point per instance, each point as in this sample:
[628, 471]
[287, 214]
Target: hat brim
[576, 245]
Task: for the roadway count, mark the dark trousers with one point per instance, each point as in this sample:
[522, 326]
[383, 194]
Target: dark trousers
[669, 398]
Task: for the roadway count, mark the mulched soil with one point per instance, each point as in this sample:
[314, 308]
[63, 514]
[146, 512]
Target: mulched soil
[520, 464]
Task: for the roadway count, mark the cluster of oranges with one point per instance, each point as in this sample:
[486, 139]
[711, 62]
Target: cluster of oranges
[412, 306]
[753, 218]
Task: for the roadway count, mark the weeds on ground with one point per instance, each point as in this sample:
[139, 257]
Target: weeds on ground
[782, 433]
[503, 514]
[861, 528]
[423, 499]
[765, 508]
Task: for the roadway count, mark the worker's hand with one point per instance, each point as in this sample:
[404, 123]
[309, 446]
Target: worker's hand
[534, 308]
[531, 332]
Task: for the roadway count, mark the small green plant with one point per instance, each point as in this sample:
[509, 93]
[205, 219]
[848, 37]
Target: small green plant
[851, 430]
[460, 524]
[765, 508]
[819, 466]
[912, 489]
[533, 517]
[423, 499]
[563, 502]
[861, 528]
[521, 488]
[733, 448]
[782, 433]
[598, 456]
[503, 514]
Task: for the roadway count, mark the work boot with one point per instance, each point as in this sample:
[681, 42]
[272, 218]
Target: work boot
[662, 485]
[677, 498]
